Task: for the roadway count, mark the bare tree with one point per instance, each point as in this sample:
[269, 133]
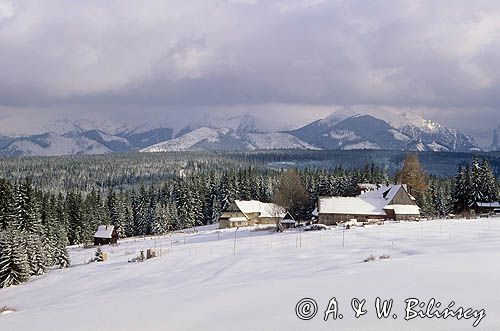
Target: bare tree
[414, 175]
[292, 195]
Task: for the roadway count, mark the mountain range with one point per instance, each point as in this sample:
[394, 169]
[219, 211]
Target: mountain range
[345, 129]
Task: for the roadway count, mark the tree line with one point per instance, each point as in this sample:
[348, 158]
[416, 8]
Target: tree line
[32, 237]
[38, 220]
[474, 182]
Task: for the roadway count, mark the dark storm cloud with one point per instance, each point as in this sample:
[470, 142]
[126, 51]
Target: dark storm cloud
[146, 54]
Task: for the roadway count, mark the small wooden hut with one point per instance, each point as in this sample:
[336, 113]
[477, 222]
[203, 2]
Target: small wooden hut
[105, 235]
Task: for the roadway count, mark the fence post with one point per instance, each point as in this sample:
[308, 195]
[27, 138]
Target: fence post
[234, 247]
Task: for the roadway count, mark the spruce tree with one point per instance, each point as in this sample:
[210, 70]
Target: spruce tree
[7, 216]
[161, 220]
[14, 267]
[488, 183]
[462, 190]
[36, 256]
[61, 253]
[76, 226]
[25, 209]
[476, 184]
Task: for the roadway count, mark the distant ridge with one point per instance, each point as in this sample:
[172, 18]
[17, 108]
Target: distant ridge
[344, 129]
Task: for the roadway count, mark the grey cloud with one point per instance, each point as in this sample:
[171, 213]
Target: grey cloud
[153, 54]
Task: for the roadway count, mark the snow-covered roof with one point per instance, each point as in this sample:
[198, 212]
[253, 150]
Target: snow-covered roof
[367, 203]
[237, 219]
[404, 209]
[104, 231]
[488, 204]
[261, 208]
[352, 206]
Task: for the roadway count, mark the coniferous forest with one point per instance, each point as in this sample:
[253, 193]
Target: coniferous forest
[49, 203]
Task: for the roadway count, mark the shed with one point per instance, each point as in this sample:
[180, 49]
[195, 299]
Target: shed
[105, 235]
[487, 207]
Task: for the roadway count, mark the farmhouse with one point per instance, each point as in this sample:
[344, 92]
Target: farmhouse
[387, 202]
[245, 213]
[105, 235]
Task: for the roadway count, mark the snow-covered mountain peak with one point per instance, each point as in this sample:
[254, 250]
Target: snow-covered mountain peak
[65, 125]
[385, 128]
[240, 123]
[247, 124]
[360, 127]
[338, 116]
[206, 138]
[61, 126]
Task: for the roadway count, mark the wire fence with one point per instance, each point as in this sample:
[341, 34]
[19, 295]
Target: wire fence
[390, 238]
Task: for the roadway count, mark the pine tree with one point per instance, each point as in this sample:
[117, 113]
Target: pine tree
[112, 208]
[93, 214]
[161, 223]
[173, 216]
[476, 182]
[25, 209]
[462, 190]
[36, 256]
[143, 213]
[76, 226]
[51, 229]
[488, 183]
[7, 216]
[14, 268]
[61, 253]
[121, 214]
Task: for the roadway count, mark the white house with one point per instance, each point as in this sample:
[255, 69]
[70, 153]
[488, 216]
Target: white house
[250, 212]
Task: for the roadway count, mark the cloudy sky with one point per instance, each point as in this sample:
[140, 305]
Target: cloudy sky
[296, 59]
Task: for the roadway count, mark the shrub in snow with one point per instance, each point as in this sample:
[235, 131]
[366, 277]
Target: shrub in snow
[369, 258]
[373, 258]
[98, 257]
[6, 310]
[139, 258]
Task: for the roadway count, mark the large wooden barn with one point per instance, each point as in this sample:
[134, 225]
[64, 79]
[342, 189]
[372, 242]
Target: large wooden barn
[105, 235]
[387, 202]
[246, 213]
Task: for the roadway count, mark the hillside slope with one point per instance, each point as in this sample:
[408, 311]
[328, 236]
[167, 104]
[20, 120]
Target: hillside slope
[199, 283]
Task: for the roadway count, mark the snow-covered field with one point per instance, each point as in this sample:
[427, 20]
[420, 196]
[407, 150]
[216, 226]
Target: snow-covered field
[201, 283]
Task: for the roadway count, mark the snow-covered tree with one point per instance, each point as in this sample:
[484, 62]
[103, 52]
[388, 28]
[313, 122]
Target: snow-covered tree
[162, 222]
[7, 216]
[25, 209]
[36, 256]
[14, 267]
[98, 256]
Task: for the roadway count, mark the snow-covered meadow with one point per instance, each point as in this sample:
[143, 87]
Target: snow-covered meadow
[202, 281]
